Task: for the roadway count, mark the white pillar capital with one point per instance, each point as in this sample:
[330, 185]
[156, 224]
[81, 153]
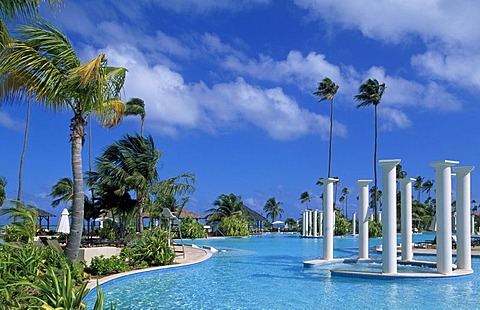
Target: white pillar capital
[405, 181]
[444, 163]
[328, 180]
[463, 171]
[364, 182]
[389, 162]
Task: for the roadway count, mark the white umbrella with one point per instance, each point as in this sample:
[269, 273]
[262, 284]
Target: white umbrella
[278, 223]
[64, 224]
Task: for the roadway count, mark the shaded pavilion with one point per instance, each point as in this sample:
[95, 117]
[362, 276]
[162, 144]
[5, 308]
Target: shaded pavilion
[44, 215]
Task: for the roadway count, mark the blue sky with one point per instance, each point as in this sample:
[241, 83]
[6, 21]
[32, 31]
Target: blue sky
[228, 90]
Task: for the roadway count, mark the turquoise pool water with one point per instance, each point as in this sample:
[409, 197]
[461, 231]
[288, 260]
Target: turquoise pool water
[266, 272]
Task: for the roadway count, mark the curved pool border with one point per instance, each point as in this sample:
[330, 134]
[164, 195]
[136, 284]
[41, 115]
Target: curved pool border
[92, 284]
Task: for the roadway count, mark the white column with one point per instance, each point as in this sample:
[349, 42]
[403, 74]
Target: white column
[472, 226]
[354, 222]
[328, 228]
[321, 224]
[380, 216]
[315, 223]
[443, 172]
[363, 218]
[406, 221]
[464, 241]
[304, 223]
[310, 215]
[389, 210]
[371, 217]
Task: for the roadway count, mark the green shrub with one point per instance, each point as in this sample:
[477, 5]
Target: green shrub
[104, 266]
[150, 250]
[342, 226]
[234, 225]
[374, 229]
[108, 230]
[191, 229]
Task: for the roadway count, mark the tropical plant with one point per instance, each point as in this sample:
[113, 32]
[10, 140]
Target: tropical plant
[226, 205]
[3, 194]
[305, 198]
[370, 93]
[130, 164]
[326, 91]
[342, 226]
[44, 63]
[374, 229]
[344, 197]
[62, 191]
[427, 187]
[150, 250]
[101, 265]
[135, 107]
[417, 185]
[24, 228]
[290, 223]
[235, 225]
[191, 229]
[24, 150]
[273, 209]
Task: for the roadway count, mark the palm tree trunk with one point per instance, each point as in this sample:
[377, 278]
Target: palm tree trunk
[141, 128]
[331, 133]
[22, 158]
[375, 163]
[76, 229]
[141, 204]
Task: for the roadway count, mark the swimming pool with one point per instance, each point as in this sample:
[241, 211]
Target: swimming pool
[266, 272]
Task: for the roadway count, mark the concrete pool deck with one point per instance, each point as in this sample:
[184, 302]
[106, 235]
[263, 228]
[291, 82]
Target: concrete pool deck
[193, 255]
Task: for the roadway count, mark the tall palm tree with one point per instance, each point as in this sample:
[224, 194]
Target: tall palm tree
[370, 93]
[136, 106]
[417, 185]
[305, 198]
[345, 193]
[24, 150]
[326, 91]
[225, 206]
[130, 164]
[44, 62]
[3, 194]
[273, 209]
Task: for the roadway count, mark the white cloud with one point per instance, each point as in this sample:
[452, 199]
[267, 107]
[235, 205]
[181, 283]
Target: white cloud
[9, 122]
[174, 105]
[396, 20]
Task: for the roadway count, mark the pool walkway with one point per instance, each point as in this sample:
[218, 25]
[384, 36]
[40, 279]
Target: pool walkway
[431, 251]
[193, 255]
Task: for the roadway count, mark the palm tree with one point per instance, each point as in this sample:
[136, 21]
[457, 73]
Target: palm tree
[130, 164]
[136, 106]
[24, 150]
[345, 193]
[62, 191]
[305, 198]
[427, 187]
[326, 91]
[273, 209]
[290, 223]
[3, 194]
[44, 62]
[370, 93]
[225, 206]
[417, 185]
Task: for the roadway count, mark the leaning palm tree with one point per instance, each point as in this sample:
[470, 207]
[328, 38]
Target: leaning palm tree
[370, 93]
[427, 187]
[273, 209]
[326, 91]
[44, 63]
[345, 193]
[62, 191]
[136, 106]
[130, 164]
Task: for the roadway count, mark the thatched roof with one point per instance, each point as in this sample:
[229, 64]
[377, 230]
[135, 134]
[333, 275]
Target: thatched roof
[253, 215]
[43, 213]
[192, 214]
